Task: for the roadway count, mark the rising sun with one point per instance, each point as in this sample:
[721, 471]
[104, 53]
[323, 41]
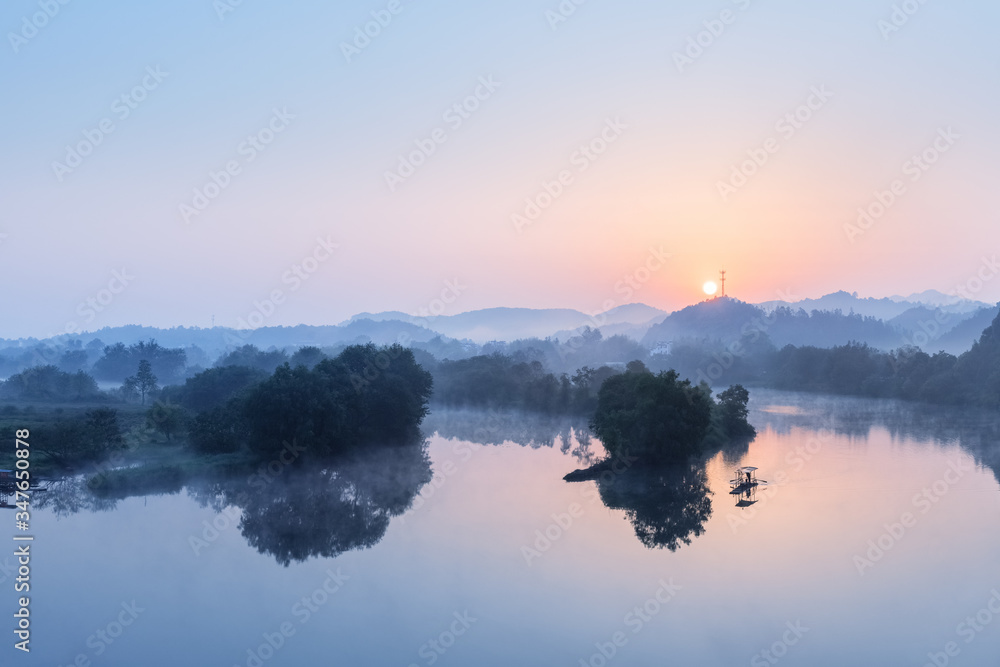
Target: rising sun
[710, 288]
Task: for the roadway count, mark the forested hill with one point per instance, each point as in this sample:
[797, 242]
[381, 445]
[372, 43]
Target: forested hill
[621, 334]
[217, 340]
[730, 319]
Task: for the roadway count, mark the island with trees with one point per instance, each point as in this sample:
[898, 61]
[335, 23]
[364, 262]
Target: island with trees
[654, 419]
[248, 405]
[221, 420]
[139, 414]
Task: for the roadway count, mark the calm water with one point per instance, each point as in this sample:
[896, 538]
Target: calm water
[881, 539]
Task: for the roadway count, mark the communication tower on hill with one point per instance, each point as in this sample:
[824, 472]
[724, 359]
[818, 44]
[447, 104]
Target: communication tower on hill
[722, 280]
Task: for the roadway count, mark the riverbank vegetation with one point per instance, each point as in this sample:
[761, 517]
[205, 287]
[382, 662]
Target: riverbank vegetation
[332, 401]
[365, 396]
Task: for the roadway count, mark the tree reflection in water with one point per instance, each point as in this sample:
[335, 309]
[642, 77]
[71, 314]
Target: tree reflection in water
[70, 495]
[667, 506]
[326, 509]
[323, 511]
[496, 427]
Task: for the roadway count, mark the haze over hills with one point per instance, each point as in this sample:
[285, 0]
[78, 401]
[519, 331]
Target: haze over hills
[898, 317]
[899, 321]
[932, 297]
[217, 340]
[885, 308]
[959, 338]
[729, 319]
[489, 324]
[841, 317]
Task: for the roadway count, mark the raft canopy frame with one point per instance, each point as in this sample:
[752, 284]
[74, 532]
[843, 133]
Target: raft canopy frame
[747, 475]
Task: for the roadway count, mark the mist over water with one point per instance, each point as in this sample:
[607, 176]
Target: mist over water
[878, 531]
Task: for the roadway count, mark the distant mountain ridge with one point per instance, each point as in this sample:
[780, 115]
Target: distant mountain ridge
[887, 323]
[932, 297]
[885, 308]
[727, 319]
[635, 320]
[489, 324]
[731, 320]
[216, 340]
[960, 338]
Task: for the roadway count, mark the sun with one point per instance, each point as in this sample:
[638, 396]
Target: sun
[710, 288]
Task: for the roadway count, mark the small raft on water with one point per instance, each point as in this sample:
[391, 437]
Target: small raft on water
[745, 478]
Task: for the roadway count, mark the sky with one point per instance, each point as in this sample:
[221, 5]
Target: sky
[262, 163]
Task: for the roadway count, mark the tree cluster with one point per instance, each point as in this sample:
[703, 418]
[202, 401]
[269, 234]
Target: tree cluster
[49, 384]
[91, 438]
[506, 382]
[972, 378]
[659, 418]
[119, 361]
[250, 356]
[141, 384]
[365, 395]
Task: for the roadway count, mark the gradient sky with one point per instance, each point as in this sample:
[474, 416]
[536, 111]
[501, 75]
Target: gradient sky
[323, 176]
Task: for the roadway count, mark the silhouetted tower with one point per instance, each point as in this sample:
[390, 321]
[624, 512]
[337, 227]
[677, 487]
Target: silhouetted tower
[722, 279]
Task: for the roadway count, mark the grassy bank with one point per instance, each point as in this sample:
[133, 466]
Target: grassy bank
[148, 463]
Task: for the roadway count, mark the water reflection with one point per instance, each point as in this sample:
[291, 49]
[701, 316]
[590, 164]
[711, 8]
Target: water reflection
[794, 560]
[667, 506]
[745, 497]
[733, 451]
[323, 512]
[494, 427]
[70, 495]
[309, 510]
[292, 513]
[974, 429]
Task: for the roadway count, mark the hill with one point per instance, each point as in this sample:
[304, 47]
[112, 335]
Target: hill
[884, 309]
[490, 324]
[729, 319]
[216, 340]
[961, 337]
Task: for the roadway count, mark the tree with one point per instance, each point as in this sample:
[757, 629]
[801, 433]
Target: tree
[214, 387]
[166, 418]
[366, 395]
[118, 360]
[130, 387]
[72, 361]
[307, 356]
[79, 441]
[48, 383]
[636, 366]
[252, 357]
[143, 382]
[591, 336]
[733, 410]
[520, 381]
[656, 418]
[103, 431]
[219, 430]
